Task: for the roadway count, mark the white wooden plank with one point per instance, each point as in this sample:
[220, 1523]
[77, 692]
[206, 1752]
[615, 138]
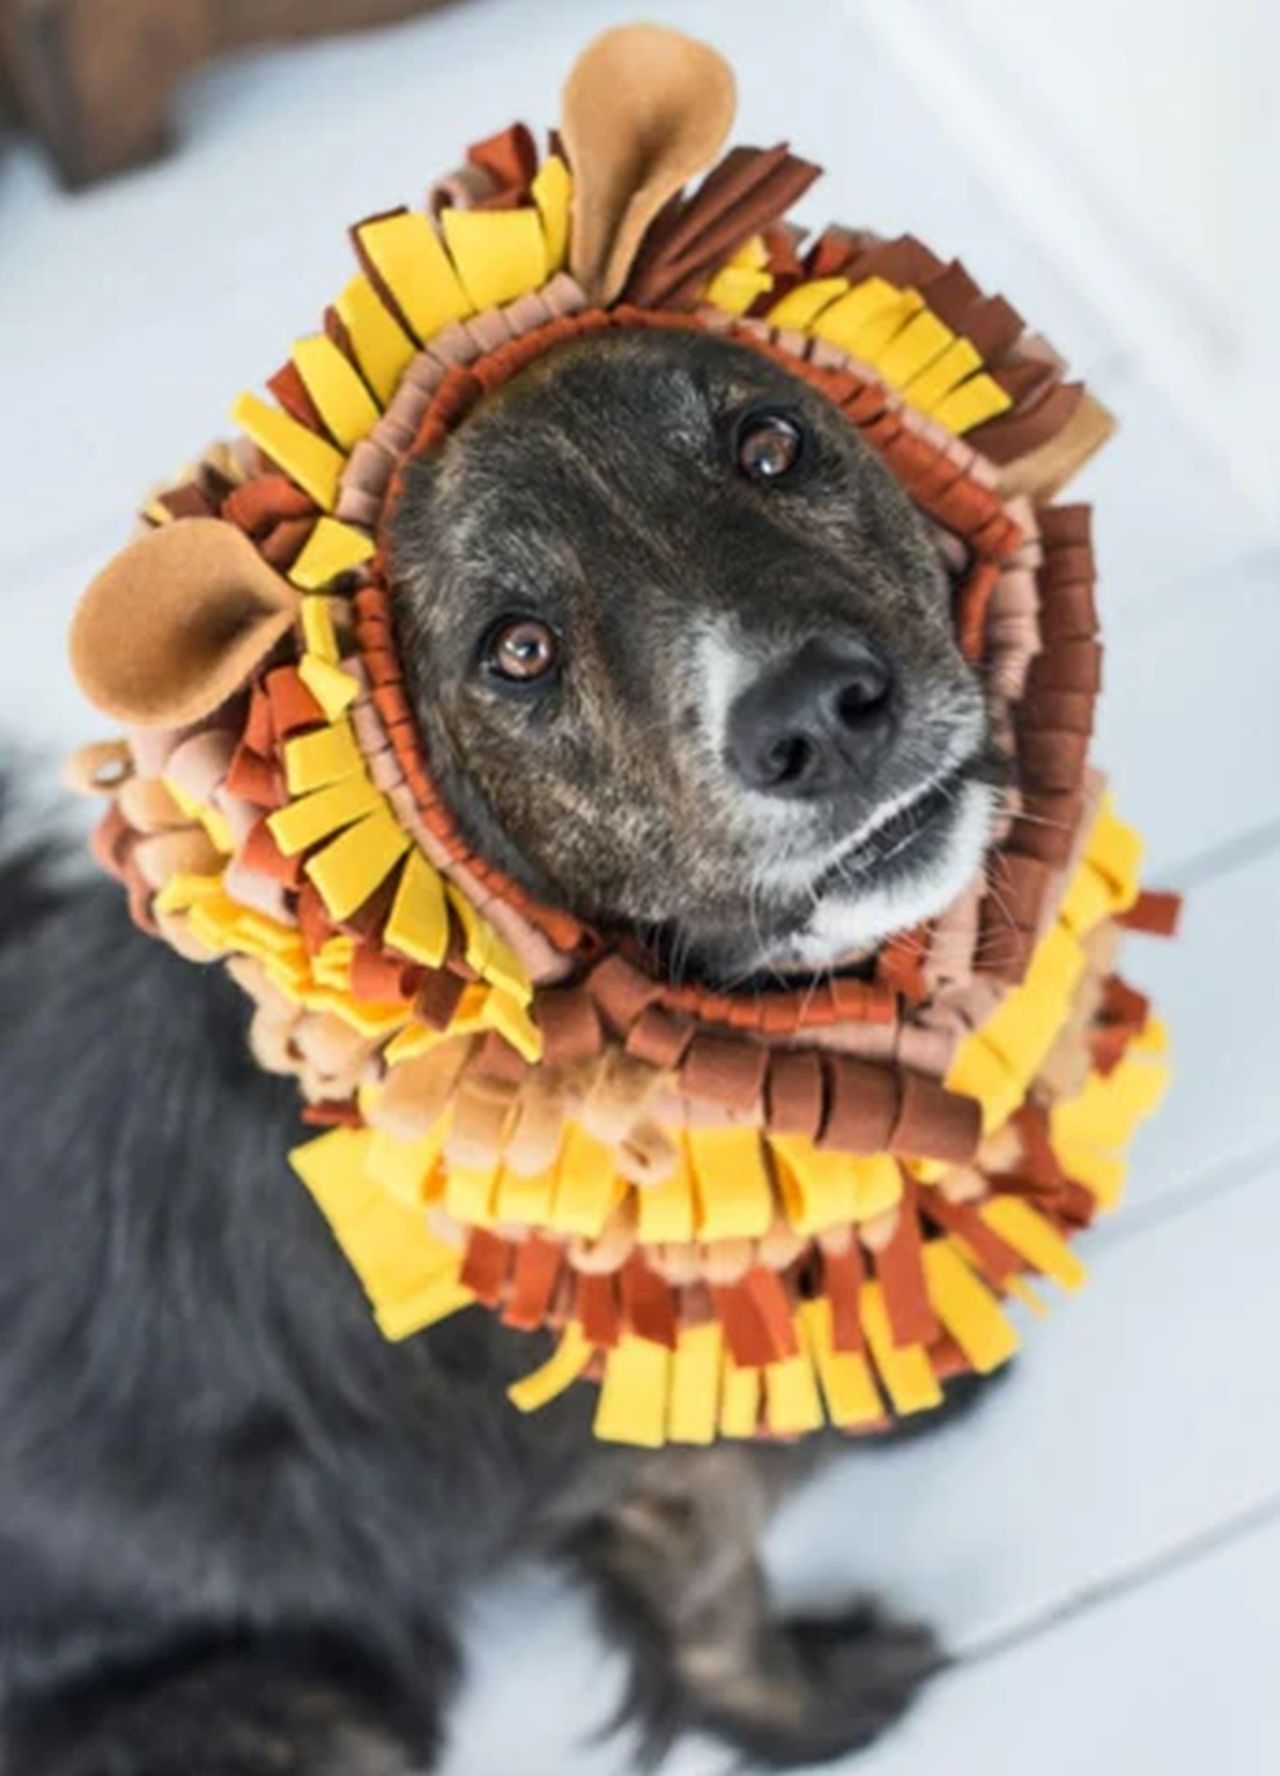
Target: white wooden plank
[132, 316]
[1189, 725]
[1182, 1677]
[1218, 987]
[1139, 1415]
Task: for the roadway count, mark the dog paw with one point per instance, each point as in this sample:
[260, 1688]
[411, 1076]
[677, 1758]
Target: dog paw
[831, 1685]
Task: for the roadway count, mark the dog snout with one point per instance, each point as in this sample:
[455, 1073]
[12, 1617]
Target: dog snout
[814, 724]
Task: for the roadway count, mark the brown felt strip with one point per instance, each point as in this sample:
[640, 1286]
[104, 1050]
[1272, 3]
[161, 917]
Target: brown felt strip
[842, 1279]
[862, 1106]
[596, 1305]
[648, 1303]
[899, 1266]
[484, 1266]
[177, 622]
[644, 110]
[539, 1263]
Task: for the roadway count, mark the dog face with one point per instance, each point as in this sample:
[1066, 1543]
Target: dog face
[683, 654]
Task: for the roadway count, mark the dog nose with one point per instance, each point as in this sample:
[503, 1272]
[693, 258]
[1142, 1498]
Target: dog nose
[813, 724]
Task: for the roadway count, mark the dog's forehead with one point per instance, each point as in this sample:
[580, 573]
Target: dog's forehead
[639, 382]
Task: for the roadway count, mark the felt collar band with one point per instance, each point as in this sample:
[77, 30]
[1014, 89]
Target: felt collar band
[742, 1214]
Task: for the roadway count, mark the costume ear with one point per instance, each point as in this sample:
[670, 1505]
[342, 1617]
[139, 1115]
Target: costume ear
[177, 622]
[1045, 471]
[644, 110]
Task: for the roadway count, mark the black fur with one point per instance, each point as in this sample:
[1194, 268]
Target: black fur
[234, 1522]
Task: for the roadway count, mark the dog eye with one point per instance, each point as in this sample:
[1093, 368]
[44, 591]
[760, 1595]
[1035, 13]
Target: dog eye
[768, 446]
[521, 649]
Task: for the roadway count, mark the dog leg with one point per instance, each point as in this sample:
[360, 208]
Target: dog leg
[676, 1575]
[267, 1711]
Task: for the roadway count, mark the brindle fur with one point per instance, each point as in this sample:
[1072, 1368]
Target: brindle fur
[598, 490]
[235, 1524]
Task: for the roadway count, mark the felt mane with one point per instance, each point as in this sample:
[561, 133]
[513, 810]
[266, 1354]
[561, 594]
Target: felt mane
[742, 1213]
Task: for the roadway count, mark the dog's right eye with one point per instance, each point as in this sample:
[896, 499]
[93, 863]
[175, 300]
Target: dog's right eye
[521, 650]
[768, 446]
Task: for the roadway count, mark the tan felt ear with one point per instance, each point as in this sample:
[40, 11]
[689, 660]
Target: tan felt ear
[177, 623]
[644, 110]
[1045, 471]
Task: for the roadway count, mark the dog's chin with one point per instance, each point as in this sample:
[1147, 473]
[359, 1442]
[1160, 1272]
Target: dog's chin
[860, 904]
[912, 871]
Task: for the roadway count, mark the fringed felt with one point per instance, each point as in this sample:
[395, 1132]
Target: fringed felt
[743, 1214]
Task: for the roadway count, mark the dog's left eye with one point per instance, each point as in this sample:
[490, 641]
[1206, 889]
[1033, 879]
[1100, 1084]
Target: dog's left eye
[521, 650]
[768, 446]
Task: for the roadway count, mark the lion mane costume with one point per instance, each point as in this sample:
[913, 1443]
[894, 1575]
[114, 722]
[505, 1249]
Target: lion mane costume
[742, 1214]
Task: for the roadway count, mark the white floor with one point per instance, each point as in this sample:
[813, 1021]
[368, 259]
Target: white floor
[1103, 1546]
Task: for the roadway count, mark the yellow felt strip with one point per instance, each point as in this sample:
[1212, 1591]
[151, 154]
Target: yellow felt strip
[478, 936]
[268, 935]
[211, 819]
[666, 1207]
[371, 1018]
[381, 344]
[333, 548]
[633, 1394]
[753, 253]
[348, 870]
[1032, 1238]
[977, 1071]
[1107, 1111]
[425, 1307]
[818, 1188]
[1057, 964]
[317, 629]
[877, 1185]
[551, 190]
[921, 342]
[414, 1040]
[405, 1167]
[734, 288]
[841, 321]
[970, 1314]
[934, 383]
[848, 1385]
[1104, 1175]
[334, 690]
[499, 254]
[183, 890]
[469, 1193]
[404, 1269]
[905, 1370]
[886, 325]
[311, 462]
[1116, 850]
[314, 817]
[1089, 900]
[799, 308]
[694, 1400]
[735, 1194]
[418, 926]
[793, 1404]
[342, 401]
[1022, 1029]
[321, 757]
[525, 1201]
[739, 1400]
[560, 1371]
[979, 399]
[586, 1188]
[412, 263]
[511, 1020]
[504, 969]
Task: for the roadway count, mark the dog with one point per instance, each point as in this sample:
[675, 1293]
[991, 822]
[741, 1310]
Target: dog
[683, 658]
